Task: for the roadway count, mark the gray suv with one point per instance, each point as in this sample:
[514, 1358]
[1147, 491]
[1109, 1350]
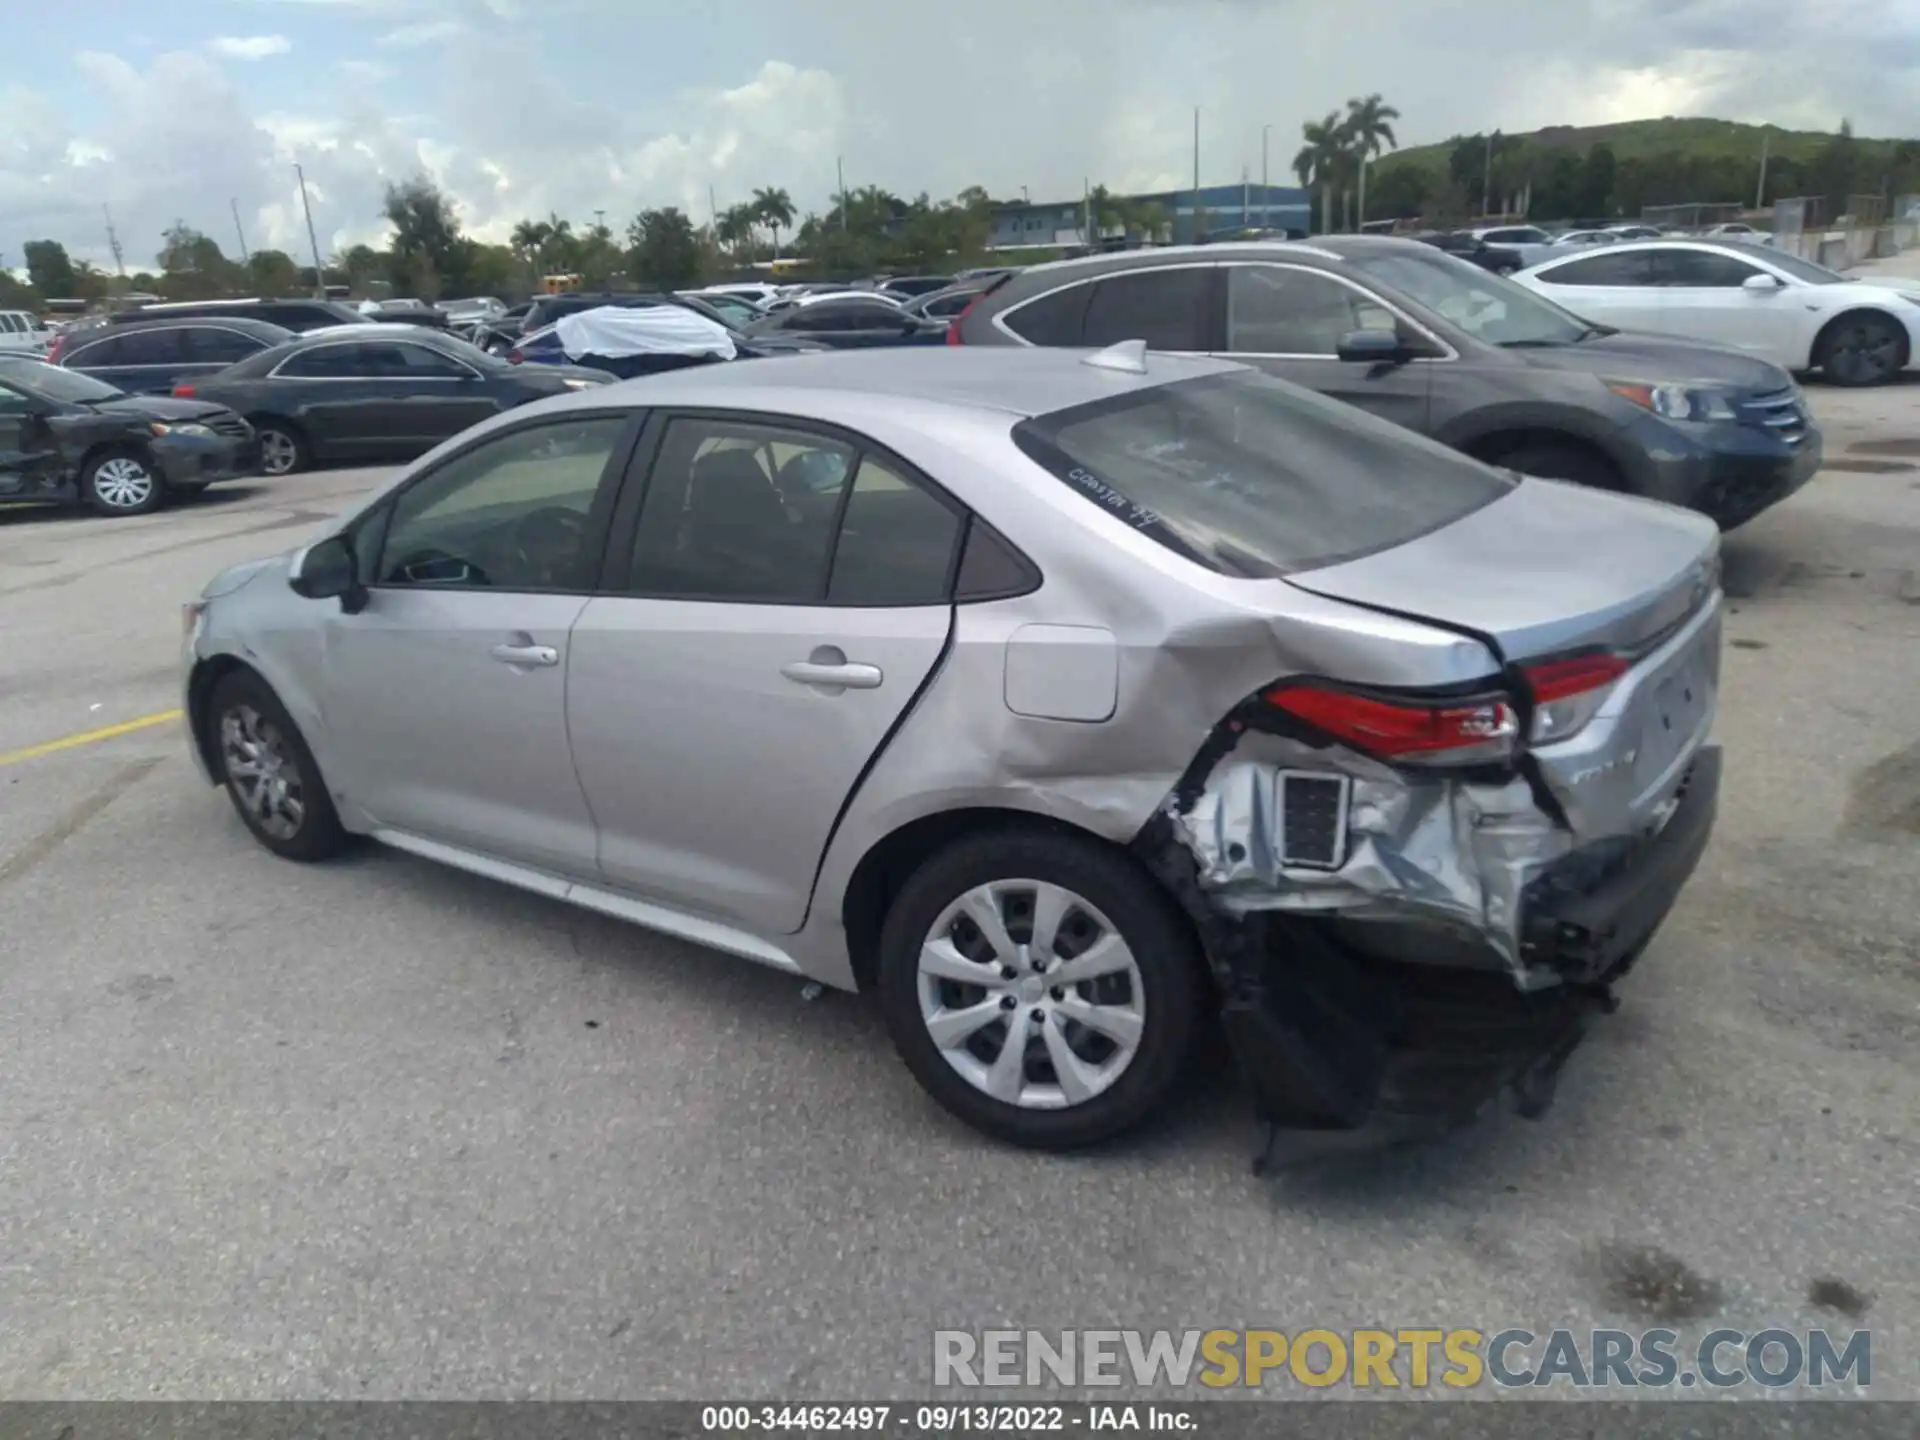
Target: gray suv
[1431, 342]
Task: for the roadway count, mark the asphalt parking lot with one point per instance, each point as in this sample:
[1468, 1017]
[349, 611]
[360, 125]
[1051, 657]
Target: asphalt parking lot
[378, 1129]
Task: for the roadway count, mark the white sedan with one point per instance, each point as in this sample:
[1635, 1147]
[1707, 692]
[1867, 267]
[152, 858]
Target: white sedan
[1799, 315]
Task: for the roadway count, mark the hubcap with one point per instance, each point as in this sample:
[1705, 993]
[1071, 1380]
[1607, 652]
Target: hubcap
[277, 452]
[261, 768]
[123, 483]
[1031, 994]
[1867, 352]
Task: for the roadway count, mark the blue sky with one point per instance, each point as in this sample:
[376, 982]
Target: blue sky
[183, 109]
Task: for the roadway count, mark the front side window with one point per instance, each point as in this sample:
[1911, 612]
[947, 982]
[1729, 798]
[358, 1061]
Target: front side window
[1493, 310]
[1631, 268]
[324, 362]
[12, 402]
[509, 514]
[152, 347]
[1280, 310]
[1250, 476]
[208, 345]
[1165, 308]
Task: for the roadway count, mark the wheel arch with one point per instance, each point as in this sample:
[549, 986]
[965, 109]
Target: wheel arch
[1493, 445]
[120, 444]
[1858, 312]
[201, 679]
[889, 862]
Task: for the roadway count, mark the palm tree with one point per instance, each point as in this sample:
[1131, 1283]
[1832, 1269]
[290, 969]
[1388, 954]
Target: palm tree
[1320, 161]
[735, 227]
[773, 208]
[529, 240]
[1369, 127]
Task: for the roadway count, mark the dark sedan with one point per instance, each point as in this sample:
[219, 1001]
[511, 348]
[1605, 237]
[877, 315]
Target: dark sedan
[373, 392]
[848, 322]
[67, 437]
[153, 356]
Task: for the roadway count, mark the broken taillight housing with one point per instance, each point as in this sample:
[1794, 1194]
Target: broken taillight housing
[1476, 731]
[1567, 693]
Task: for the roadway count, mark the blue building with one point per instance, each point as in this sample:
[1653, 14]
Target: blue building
[1223, 209]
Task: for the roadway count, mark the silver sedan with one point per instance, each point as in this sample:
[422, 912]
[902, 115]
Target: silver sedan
[1064, 700]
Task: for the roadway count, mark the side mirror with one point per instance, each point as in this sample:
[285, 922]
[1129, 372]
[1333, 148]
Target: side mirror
[327, 570]
[1762, 284]
[1372, 347]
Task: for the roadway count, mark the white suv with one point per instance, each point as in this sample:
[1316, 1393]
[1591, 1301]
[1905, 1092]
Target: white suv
[21, 330]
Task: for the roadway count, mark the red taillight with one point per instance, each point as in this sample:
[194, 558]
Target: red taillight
[1452, 732]
[514, 357]
[183, 391]
[1559, 679]
[53, 350]
[1567, 693]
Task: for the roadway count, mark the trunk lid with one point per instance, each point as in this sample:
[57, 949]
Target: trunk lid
[1547, 569]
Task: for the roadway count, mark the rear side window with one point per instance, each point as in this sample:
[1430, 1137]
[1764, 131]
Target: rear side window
[1166, 308]
[1632, 268]
[208, 345]
[1054, 319]
[98, 354]
[896, 542]
[152, 347]
[1250, 476]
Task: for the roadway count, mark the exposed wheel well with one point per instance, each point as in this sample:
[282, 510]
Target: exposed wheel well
[206, 675]
[117, 447]
[279, 422]
[1857, 313]
[1497, 445]
[884, 869]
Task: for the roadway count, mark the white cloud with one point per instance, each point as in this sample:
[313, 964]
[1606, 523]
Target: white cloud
[249, 47]
[427, 32]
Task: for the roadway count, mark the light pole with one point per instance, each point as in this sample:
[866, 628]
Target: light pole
[319, 276]
[1266, 195]
[840, 170]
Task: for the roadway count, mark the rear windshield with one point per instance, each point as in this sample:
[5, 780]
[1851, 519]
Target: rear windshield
[1251, 476]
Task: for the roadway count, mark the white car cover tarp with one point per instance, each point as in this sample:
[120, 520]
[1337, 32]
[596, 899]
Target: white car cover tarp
[656, 330]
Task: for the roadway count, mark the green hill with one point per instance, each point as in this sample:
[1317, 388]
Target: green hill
[1618, 169]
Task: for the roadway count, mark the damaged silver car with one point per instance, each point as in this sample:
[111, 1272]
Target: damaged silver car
[1062, 699]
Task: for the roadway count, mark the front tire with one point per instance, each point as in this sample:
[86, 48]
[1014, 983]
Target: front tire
[122, 482]
[1863, 349]
[269, 773]
[283, 449]
[1563, 462]
[1056, 945]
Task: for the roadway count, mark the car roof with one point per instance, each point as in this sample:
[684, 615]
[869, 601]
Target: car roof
[245, 324]
[842, 385]
[1320, 251]
[1741, 249]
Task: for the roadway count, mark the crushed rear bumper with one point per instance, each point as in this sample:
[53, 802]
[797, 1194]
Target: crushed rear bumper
[1339, 1020]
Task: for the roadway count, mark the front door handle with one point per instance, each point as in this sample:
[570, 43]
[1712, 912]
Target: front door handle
[829, 668]
[526, 656]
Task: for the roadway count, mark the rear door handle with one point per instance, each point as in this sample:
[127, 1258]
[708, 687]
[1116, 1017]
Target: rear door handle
[844, 675]
[526, 657]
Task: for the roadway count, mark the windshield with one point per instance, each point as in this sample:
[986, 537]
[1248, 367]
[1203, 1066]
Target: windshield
[50, 382]
[1251, 476]
[1484, 305]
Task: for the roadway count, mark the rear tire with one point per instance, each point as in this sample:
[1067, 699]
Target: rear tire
[1563, 462]
[269, 772]
[1864, 349]
[1105, 1014]
[283, 449]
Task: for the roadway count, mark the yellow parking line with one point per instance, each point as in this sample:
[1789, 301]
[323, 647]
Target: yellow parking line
[86, 737]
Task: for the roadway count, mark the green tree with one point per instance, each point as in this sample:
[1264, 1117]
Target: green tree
[359, 266]
[1598, 174]
[664, 249]
[1400, 191]
[15, 295]
[1836, 171]
[192, 266]
[49, 270]
[1320, 162]
[493, 270]
[773, 208]
[529, 241]
[426, 252]
[599, 258]
[273, 273]
[1369, 132]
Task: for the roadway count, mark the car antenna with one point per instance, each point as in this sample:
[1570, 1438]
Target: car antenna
[1129, 356]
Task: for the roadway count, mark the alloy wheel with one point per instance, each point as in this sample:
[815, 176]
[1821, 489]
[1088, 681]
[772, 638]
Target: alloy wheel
[261, 767]
[1031, 994]
[278, 452]
[1864, 352]
[123, 483]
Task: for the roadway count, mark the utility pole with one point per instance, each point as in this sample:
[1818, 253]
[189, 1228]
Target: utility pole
[599, 219]
[113, 244]
[1086, 212]
[1486, 181]
[1195, 235]
[1760, 190]
[1266, 195]
[713, 214]
[234, 205]
[319, 277]
[840, 173]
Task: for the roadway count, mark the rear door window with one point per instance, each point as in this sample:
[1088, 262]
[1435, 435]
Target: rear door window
[152, 347]
[1166, 308]
[1700, 270]
[210, 345]
[1284, 310]
[1249, 476]
[1055, 319]
[1630, 269]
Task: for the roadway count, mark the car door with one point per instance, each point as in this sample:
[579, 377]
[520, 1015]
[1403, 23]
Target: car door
[1702, 296]
[209, 349]
[28, 458]
[1614, 287]
[336, 393]
[445, 698]
[754, 650]
[437, 395]
[1289, 320]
